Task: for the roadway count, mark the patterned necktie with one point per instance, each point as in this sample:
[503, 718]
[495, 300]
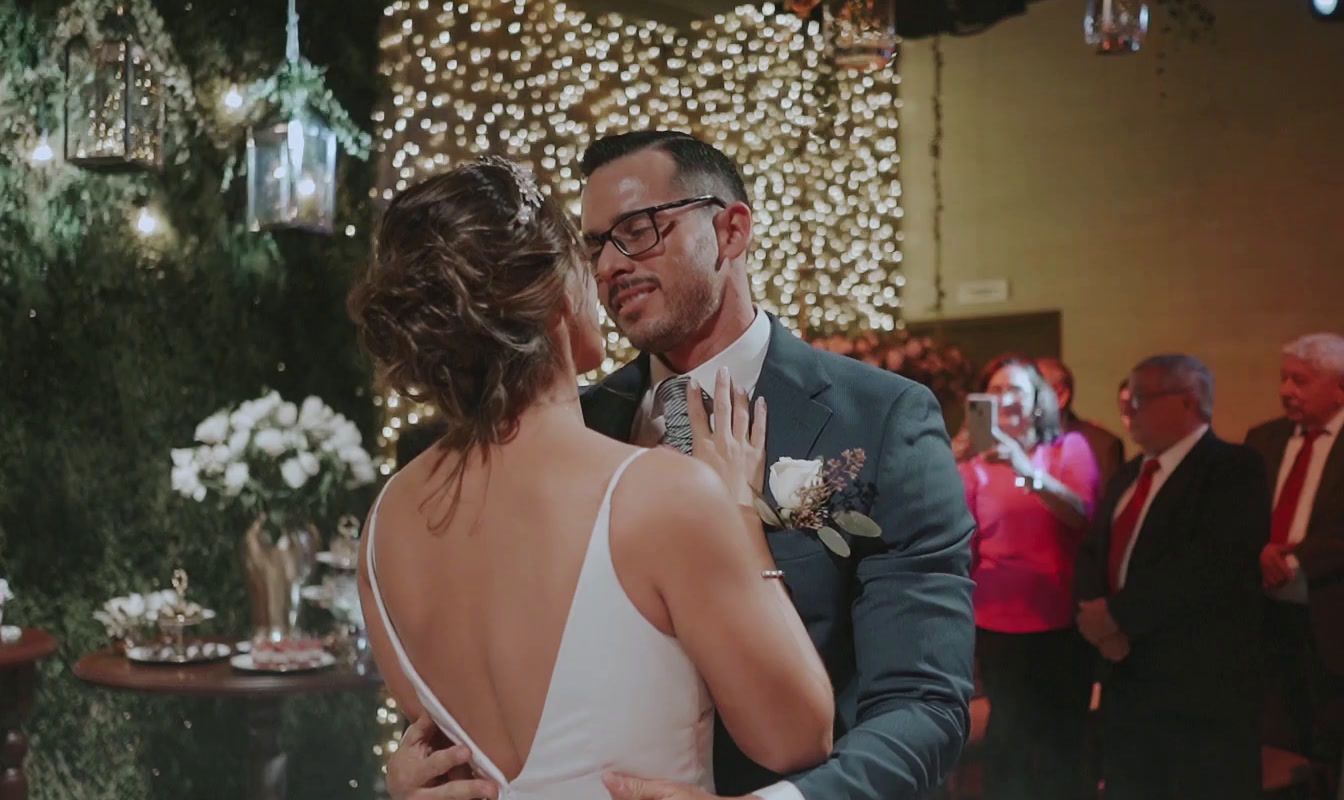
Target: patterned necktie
[1127, 524]
[1285, 510]
[670, 398]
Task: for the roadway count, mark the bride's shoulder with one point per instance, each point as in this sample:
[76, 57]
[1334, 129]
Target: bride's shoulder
[666, 488]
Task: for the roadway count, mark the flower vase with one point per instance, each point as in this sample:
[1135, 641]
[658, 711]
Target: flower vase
[276, 568]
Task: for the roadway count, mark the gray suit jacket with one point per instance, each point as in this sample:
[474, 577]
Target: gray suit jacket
[893, 622]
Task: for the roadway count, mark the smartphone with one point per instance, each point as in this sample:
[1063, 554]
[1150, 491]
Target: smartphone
[982, 421]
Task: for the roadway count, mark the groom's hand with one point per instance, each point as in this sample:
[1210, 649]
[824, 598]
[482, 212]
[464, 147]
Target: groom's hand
[628, 787]
[426, 766]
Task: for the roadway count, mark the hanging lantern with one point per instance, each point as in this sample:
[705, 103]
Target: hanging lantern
[802, 8]
[114, 107]
[1115, 26]
[862, 33]
[291, 158]
[291, 175]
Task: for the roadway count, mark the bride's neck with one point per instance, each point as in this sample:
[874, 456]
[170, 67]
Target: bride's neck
[555, 409]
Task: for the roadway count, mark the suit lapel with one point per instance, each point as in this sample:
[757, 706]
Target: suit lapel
[610, 406]
[791, 379]
[1325, 506]
[1165, 503]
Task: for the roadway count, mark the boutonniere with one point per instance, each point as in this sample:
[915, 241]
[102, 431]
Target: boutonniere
[825, 497]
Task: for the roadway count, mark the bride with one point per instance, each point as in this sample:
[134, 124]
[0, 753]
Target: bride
[560, 603]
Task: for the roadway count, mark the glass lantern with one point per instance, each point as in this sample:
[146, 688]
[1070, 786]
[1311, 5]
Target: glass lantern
[291, 175]
[114, 105]
[1115, 26]
[862, 33]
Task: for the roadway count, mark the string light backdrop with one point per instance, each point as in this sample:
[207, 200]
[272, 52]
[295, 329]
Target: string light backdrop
[538, 81]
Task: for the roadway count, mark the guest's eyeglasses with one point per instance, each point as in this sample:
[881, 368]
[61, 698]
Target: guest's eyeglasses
[1137, 401]
[638, 232]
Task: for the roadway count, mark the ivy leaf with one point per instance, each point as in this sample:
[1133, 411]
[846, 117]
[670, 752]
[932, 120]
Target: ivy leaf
[833, 540]
[858, 524]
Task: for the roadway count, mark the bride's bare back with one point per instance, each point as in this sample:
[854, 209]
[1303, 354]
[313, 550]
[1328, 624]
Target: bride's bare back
[481, 605]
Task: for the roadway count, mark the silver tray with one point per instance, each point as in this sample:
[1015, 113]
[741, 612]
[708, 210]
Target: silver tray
[194, 653]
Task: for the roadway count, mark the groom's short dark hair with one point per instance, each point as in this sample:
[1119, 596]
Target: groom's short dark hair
[701, 167]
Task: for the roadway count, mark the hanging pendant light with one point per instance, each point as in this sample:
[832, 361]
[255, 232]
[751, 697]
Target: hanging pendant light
[862, 33]
[1115, 27]
[291, 163]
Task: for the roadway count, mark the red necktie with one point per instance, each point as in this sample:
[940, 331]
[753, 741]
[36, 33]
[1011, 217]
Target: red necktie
[1126, 525]
[1286, 507]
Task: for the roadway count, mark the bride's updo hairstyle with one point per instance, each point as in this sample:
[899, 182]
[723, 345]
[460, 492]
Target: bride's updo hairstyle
[470, 268]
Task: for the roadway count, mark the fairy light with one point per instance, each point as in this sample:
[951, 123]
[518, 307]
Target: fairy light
[42, 154]
[539, 81]
[233, 99]
[147, 222]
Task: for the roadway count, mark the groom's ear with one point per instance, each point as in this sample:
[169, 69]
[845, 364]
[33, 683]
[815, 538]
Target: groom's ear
[734, 231]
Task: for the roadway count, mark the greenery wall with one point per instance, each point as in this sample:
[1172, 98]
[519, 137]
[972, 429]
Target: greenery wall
[112, 349]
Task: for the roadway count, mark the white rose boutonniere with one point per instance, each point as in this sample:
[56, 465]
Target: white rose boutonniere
[826, 497]
[790, 477]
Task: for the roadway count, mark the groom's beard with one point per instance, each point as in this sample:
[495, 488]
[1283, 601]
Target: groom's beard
[688, 303]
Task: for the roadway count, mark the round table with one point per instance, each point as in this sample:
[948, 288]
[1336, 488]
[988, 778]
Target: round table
[264, 694]
[18, 675]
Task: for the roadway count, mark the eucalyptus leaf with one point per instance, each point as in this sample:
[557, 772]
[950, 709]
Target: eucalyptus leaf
[856, 523]
[832, 539]
[766, 513]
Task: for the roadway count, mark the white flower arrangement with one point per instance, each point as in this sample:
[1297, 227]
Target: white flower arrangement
[135, 615]
[271, 456]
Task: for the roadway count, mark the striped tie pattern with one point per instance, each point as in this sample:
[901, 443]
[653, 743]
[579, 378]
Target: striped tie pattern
[671, 399]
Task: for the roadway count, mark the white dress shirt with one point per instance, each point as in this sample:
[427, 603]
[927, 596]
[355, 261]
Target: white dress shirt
[1295, 591]
[744, 359]
[1167, 463]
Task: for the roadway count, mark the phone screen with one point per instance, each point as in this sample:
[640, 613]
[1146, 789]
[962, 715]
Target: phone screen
[982, 421]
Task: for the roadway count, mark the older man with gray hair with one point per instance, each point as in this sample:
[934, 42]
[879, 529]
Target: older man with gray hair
[1169, 593]
[1302, 566]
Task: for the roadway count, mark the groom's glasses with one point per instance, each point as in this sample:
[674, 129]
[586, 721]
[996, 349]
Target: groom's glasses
[638, 232]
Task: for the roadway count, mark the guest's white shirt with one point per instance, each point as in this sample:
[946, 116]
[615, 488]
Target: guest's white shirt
[744, 359]
[1295, 591]
[1167, 463]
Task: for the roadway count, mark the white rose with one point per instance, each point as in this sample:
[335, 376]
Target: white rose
[5, 594]
[235, 478]
[186, 480]
[343, 435]
[214, 429]
[789, 477]
[313, 413]
[293, 473]
[134, 606]
[245, 418]
[266, 404]
[296, 440]
[270, 441]
[287, 414]
[309, 463]
[362, 474]
[220, 457]
[238, 442]
[182, 456]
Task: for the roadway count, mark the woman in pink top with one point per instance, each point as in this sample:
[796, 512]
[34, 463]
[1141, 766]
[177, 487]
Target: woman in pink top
[1032, 498]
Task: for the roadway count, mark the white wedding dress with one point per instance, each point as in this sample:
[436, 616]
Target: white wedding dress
[623, 696]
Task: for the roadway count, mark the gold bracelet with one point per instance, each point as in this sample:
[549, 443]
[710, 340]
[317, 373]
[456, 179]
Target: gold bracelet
[772, 574]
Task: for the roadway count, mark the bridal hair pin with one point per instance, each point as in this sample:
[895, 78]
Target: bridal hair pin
[526, 182]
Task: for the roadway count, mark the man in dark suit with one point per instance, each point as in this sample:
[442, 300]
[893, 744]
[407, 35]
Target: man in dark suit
[1302, 566]
[667, 224]
[1169, 592]
[1106, 446]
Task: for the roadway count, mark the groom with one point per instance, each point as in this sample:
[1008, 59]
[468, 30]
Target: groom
[667, 219]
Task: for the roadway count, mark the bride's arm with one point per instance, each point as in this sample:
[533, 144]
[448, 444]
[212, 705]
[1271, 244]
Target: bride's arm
[740, 629]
